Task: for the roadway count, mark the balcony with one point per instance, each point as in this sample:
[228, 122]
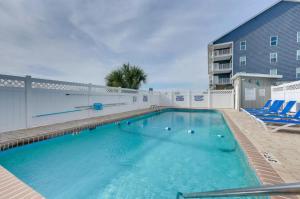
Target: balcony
[222, 54]
[222, 81]
[222, 68]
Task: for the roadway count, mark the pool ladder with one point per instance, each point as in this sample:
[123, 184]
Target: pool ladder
[265, 190]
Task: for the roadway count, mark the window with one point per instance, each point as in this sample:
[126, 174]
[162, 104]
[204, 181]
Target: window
[273, 71]
[145, 98]
[273, 40]
[298, 37]
[134, 99]
[298, 55]
[243, 45]
[243, 61]
[298, 73]
[273, 58]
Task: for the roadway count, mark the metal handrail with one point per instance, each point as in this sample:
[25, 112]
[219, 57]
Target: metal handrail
[265, 190]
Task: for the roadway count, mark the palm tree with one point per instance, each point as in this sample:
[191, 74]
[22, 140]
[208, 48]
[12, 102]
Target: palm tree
[127, 76]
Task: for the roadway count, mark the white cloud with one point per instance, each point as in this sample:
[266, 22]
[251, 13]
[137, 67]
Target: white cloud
[82, 40]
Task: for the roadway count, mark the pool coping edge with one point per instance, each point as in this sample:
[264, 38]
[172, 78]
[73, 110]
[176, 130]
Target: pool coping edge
[266, 174]
[76, 129]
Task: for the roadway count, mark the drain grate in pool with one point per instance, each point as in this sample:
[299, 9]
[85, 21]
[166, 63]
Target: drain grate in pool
[270, 158]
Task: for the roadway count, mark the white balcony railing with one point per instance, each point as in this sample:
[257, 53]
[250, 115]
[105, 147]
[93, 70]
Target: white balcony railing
[222, 52]
[217, 67]
[222, 81]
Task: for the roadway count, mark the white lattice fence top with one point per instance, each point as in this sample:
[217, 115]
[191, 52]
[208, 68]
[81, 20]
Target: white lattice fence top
[129, 91]
[15, 83]
[44, 84]
[103, 89]
[293, 87]
[288, 86]
[58, 86]
[221, 91]
[277, 89]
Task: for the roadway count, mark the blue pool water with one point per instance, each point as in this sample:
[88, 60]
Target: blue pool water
[140, 160]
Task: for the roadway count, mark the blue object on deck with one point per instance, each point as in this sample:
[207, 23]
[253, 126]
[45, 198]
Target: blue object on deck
[265, 107]
[282, 113]
[274, 108]
[287, 107]
[97, 106]
[295, 119]
[268, 103]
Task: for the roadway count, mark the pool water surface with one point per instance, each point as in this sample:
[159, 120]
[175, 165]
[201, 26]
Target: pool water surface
[138, 158]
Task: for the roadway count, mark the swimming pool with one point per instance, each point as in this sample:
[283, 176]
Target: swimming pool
[137, 158]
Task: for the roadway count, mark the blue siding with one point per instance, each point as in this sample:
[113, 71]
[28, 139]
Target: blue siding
[282, 20]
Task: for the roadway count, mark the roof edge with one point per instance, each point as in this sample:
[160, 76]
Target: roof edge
[261, 12]
[242, 74]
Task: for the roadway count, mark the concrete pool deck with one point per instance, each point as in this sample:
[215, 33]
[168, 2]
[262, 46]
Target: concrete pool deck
[261, 147]
[11, 187]
[274, 156]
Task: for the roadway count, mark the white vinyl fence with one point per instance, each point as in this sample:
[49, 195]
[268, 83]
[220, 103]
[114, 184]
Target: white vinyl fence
[194, 99]
[29, 102]
[287, 92]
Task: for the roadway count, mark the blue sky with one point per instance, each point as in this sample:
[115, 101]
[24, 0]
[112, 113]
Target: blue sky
[83, 40]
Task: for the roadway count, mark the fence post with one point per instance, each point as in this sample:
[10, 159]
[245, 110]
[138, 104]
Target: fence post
[172, 98]
[28, 101]
[209, 98]
[89, 94]
[190, 99]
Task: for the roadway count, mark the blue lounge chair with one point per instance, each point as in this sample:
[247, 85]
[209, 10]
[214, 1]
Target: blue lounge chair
[284, 121]
[265, 107]
[282, 113]
[274, 109]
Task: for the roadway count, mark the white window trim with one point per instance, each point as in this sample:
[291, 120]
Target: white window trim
[273, 69]
[275, 53]
[277, 40]
[244, 60]
[298, 37]
[298, 55]
[245, 45]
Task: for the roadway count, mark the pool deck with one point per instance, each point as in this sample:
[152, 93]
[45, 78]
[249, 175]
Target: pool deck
[274, 156]
[11, 187]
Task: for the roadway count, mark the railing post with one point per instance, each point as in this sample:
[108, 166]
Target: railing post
[28, 101]
[232, 98]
